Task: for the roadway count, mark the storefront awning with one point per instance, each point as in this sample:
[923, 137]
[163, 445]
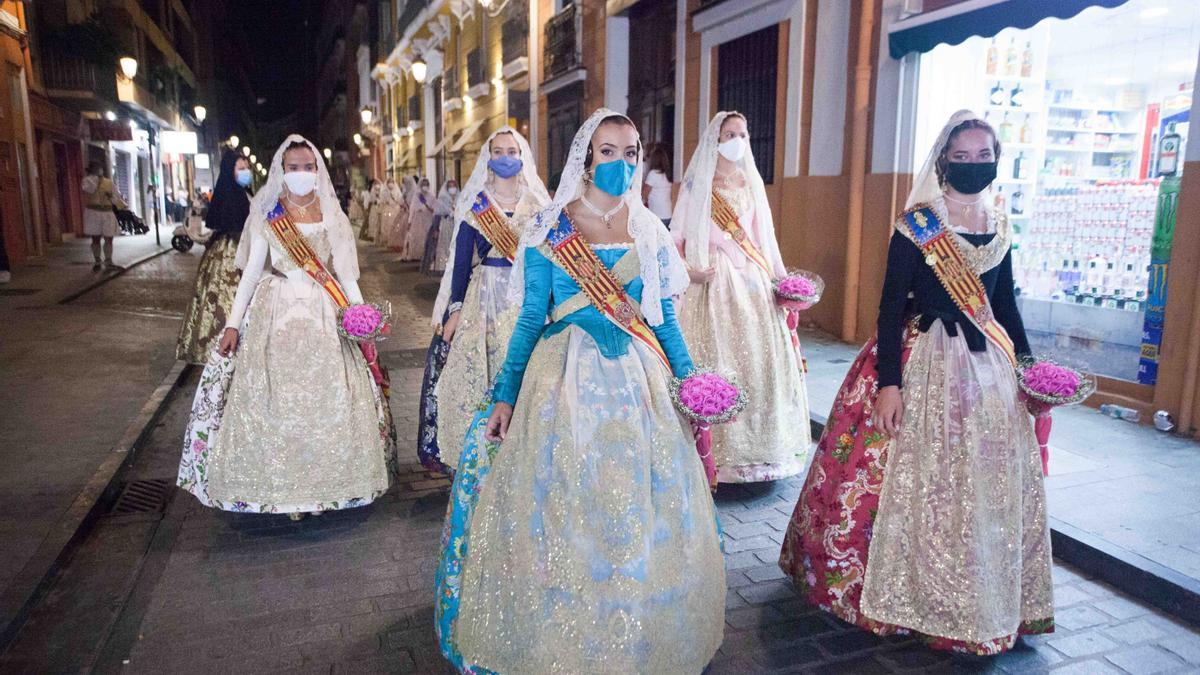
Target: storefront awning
[467, 134]
[983, 18]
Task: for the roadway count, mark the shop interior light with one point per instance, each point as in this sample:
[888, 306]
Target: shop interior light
[327, 152]
[233, 141]
[246, 150]
[419, 70]
[128, 67]
[367, 115]
[1153, 12]
[110, 116]
[1116, 81]
[358, 139]
[201, 113]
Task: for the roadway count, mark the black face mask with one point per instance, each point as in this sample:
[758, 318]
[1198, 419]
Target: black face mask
[970, 177]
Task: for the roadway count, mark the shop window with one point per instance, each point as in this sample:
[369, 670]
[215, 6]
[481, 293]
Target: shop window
[746, 70]
[1092, 113]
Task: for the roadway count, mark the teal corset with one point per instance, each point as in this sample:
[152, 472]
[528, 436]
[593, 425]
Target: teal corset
[547, 286]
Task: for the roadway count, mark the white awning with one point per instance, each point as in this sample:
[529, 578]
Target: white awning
[467, 134]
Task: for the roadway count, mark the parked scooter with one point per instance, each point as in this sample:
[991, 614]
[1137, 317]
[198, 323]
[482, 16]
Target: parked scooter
[191, 232]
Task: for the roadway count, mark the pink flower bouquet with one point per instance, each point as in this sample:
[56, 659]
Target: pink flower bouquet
[364, 322]
[798, 290]
[706, 398]
[1045, 385]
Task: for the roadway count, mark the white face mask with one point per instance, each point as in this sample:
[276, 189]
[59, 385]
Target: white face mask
[453, 191]
[733, 149]
[300, 183]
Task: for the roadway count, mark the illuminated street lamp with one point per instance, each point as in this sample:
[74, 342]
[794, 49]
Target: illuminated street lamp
[246, 150]
[419, 69]
[201, 113]
[254, 158]
[233, 141]
[128, 67]
[110, 116]
[367, 115]
[327, 152]
[358, 139]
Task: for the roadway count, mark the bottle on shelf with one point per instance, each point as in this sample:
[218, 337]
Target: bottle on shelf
[1026, 131]
[997, 97]
[1012, 60]
[1018, 203]
[1006, 130]
[993, 57]
[1020, 166]
[1027, 61]
[1016, 97]
[1168, 152]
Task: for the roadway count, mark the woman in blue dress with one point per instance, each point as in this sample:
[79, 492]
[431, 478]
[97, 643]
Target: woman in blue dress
[581, 536]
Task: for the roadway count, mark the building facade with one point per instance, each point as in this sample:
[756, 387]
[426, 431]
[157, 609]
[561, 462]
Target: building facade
[843, 97]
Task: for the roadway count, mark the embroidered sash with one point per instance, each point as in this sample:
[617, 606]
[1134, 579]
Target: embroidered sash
[923, 226]
[302, 254]
[600, 285]
[494, 226]
[726, 219]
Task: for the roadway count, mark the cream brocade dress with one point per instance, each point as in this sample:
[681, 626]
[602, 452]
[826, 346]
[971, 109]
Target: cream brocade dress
[734, 325]
[293, 421]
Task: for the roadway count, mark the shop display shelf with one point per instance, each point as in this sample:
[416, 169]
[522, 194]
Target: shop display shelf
[1067, 148]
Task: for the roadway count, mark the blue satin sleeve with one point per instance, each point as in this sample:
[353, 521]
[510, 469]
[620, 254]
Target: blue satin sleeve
[464, 257]
[671, 339]
[530, 324]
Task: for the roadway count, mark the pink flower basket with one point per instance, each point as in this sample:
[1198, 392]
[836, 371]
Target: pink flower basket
[798, 290]
[365, 322]
[1046, 385]
[706, 398]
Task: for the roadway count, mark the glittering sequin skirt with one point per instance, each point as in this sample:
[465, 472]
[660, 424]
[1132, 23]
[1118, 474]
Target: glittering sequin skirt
[429, 258]
[216, 284]
[942, 532]
[733, 324]
[395, 225]
[477, 353]
[592, 546]
[427, 446]
[293, 421]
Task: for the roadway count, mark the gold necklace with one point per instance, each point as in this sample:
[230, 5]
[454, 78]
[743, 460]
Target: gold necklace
[302, 209]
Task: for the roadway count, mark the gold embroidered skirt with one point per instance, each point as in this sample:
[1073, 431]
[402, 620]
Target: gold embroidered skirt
[216, 284]
[961, 547]
[593, 545]
[301, 428]
[732, 324]
[477, 353]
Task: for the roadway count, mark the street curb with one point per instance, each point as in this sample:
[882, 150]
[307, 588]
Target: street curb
[34, 580]
[105, 278]
[1128, 572]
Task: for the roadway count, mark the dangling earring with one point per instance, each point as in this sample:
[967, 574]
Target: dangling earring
[588, 176]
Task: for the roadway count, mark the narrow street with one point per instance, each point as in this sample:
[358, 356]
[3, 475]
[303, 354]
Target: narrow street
[161, 584]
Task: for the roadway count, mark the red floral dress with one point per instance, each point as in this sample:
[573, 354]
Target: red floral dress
[825, 549]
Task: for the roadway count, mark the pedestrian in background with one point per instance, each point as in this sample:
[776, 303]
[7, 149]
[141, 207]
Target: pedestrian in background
[218, 275]
[99, 220]
[656, 193]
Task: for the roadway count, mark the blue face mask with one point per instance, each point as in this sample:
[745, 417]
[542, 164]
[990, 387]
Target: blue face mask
[244, 177]
[614, 177]
[505, 166]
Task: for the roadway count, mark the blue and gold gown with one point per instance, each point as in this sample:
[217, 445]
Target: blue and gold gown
[587, 541]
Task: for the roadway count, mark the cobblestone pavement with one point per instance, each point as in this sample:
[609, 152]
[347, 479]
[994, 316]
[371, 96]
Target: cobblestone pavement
[353, 591]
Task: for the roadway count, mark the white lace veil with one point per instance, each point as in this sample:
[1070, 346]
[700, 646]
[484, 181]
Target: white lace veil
[692, 213]
[662, 271]
[337, 223]
[444, 206]
[533, 186]
[925, 187]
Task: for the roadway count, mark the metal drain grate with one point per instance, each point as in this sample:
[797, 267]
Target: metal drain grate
[18, 291]
[143, 496]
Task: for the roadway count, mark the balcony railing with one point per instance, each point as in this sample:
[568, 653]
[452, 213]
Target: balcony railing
[514, 39]
[69, 72]
[564, 49]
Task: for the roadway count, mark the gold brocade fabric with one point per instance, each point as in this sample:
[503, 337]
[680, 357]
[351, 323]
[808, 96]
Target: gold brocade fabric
[961, 547]
[216, 284]
[733, 325]
[594, 546]
[300, 425]
[476, 355]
